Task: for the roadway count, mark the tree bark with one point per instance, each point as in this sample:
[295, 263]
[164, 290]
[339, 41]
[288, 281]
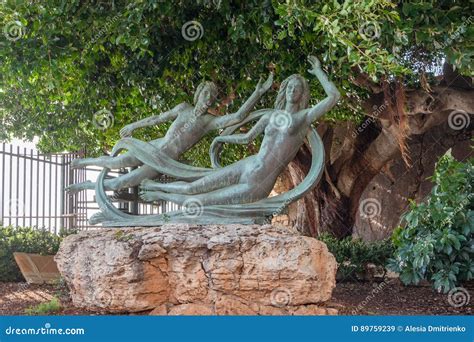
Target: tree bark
[355, 155]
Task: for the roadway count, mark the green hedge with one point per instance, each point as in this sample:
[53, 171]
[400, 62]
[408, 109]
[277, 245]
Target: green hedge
[27, 240]
[352, 255]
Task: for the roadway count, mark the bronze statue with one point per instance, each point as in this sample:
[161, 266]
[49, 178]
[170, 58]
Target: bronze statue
[253, 178]
[237, 193]
[190, 124]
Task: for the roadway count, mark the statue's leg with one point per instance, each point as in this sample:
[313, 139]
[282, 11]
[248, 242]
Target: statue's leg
[73, 188]
[131, 179]
[216, 180]
[125, 160]
[234, 194]
[128, 180]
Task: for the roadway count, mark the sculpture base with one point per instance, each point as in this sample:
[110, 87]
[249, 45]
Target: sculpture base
[200, 270]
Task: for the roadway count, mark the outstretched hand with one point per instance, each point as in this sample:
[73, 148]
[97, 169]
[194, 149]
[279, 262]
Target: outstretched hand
[126, 131]
[315, 64]
[263, 87]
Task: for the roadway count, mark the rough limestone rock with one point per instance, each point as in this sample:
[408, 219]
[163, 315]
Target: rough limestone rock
[199, 270]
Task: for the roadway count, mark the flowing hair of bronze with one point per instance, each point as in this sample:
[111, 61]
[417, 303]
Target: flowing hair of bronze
[213, 89]
[280, 102]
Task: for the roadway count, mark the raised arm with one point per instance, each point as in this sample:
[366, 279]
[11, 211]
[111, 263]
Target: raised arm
[241, 114]
[152, 120]
[333, 94]
[237, 139]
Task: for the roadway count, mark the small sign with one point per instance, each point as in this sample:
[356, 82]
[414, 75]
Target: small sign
[37, 269]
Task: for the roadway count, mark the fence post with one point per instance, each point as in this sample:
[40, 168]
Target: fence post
[61, 209]
[3, 184]
[72, 197]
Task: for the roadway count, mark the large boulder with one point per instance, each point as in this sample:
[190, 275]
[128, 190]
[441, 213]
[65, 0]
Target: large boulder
[190, 269]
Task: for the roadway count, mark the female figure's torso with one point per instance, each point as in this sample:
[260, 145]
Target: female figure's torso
[279, 146]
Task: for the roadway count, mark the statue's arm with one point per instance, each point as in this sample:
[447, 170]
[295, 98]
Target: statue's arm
[244, 138]
[237, 138]
[152, 120]
[241, 114]
[332, 93]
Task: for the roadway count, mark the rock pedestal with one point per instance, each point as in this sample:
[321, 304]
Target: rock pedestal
[199, 270]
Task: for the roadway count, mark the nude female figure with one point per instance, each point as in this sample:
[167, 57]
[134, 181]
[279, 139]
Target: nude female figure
[252, 179]
[190, 124]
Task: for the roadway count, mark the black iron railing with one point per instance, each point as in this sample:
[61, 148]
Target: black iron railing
[32, 191]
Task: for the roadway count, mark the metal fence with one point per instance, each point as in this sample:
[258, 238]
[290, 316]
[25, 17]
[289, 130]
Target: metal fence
[32, 191]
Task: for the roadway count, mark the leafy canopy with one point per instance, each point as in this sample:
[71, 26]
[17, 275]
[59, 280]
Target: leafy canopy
[63, 61]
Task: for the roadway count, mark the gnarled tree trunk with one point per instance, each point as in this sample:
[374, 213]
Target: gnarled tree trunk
[356, 154]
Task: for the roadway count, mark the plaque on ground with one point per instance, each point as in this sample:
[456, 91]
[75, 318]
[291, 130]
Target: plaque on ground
[37, 269]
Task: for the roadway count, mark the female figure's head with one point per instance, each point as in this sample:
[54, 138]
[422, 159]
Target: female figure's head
[205, 96]
[295, 91]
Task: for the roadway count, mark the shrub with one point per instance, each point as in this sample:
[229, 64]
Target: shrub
[352, 255]
[61, 290]
[437, 242]
[23, 239]
[44, 308]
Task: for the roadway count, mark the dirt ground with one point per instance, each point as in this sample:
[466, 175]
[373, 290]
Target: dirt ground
[392, 298]
[361, 298]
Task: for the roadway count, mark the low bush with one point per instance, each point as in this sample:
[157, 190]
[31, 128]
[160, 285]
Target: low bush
[45, 308]
[437, 242]
[353, 255]
[27, 240]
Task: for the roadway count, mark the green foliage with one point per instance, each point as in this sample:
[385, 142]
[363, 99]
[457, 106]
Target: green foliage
[385, 37]
[75, 58]
[23, 239]
[45, 308]
[63, 232]
[122, 237]
[61, 289]
[352, 255]
[437, 243]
